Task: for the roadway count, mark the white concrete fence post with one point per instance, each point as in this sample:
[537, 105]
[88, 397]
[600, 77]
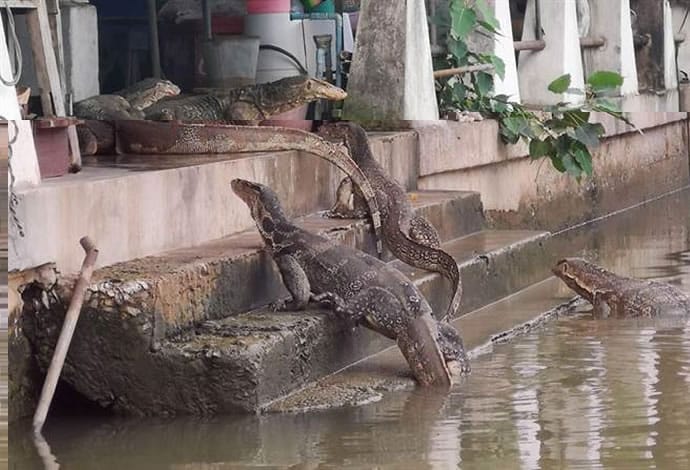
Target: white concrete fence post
[391, 76]
[501, 45]
[561, 55]
[610, 19]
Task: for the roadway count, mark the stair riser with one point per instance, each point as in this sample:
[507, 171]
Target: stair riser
[485, 281]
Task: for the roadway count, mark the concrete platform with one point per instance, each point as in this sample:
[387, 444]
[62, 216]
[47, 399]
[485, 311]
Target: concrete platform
[142, 349]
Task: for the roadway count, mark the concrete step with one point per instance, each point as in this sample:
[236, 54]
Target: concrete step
[230, 363]
[134, 206]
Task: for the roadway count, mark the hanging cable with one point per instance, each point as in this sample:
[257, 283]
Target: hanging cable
[14, 48]
[288, 54]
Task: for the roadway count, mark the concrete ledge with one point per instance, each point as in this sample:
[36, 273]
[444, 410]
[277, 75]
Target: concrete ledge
[628, 169]
[449, 146]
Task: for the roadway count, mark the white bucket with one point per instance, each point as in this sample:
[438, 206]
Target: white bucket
[276, 29]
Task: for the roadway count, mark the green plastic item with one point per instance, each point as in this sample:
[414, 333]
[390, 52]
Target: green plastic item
[327, 6]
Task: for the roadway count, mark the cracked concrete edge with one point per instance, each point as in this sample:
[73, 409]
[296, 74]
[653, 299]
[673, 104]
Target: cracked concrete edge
[342, 389]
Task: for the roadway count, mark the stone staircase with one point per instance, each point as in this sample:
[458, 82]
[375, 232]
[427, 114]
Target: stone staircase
[188, 331]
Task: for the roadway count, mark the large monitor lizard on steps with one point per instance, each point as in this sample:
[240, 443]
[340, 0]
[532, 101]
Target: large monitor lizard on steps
[409, 237]
[177, 138]
[357, 287]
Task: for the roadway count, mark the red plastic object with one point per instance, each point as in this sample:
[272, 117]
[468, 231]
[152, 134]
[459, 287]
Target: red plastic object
[52, 146]
[268, 6]
[293, 119]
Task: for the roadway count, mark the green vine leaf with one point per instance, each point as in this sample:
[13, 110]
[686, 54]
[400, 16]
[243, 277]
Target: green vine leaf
[489, 19]
[604, 80]
[540, 148]
[463, 20]
[560, 85]
[584, 159]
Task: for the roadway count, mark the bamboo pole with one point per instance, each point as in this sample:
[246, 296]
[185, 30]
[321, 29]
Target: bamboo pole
[66, 334]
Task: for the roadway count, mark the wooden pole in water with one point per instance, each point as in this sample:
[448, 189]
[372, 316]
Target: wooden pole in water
[66, 334]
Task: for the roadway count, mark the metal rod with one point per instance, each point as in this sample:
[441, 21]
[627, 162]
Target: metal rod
[460, 70]
[70, 323]
[534, 45]
[592, 41]
[208, 27]
[539, 34]
[338, 19]
[153, 39]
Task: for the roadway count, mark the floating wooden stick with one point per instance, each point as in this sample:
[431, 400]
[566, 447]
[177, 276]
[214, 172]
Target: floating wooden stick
[66, 334]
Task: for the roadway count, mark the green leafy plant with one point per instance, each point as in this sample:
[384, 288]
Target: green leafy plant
[562, 132]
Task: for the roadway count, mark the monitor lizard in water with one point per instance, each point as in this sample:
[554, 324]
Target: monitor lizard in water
[357, 287]
[411, 238]
[618, 296]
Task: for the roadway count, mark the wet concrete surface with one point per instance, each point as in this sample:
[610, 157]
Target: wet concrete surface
[573, 392]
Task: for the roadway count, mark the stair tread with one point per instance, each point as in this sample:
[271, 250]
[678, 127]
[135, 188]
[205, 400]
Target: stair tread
[263, 319]
[249, 242]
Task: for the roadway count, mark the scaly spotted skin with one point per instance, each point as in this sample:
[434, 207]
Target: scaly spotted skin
[618, 296]
[250, 103]
[149, 137]
[97, 134]
[357, 287]
[410, 238]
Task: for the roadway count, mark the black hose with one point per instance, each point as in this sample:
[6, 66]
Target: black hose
[271, 47]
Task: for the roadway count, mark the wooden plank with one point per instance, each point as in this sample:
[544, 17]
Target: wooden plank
[45, 62]
[55, 19]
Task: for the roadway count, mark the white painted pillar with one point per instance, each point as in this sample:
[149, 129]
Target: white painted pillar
[24, 161]
[561, 55]
[670, 71]
[391, 76]
[683, 47]
[504, 49]
[610, 19]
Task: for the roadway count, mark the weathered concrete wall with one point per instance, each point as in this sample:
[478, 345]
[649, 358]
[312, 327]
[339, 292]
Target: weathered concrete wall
[150, 205]
[516, 191]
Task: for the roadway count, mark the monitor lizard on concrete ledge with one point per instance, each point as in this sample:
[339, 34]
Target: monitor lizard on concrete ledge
[177, 138]
[249, 103]
[409, 237]
[97, 134]
[157, 100]
[358, 287]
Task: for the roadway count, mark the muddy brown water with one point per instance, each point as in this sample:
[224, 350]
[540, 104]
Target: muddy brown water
[574, 393]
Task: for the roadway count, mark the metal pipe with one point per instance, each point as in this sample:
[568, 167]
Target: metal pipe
[153, 39]
[534, 45]
[208, 27]
[338, 19]
[65, 338]
[592, 41]
[539, 34]
[460, 70]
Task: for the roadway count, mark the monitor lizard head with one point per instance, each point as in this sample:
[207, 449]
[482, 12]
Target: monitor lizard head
[264, 206]
[581, 276]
